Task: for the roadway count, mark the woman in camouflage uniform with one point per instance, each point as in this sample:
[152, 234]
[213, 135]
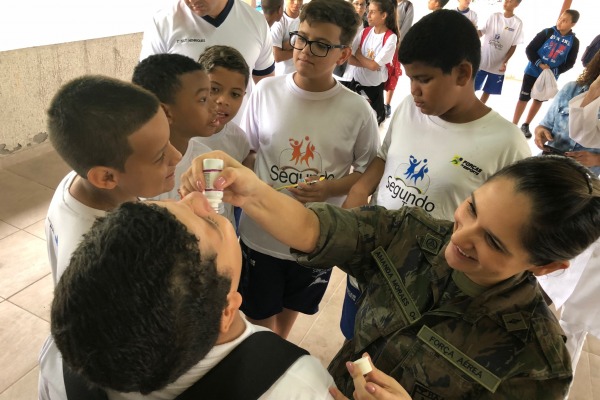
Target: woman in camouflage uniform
[449, 310]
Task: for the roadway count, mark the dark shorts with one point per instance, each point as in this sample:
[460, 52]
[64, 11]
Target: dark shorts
[493, 82]
[269, 284]
[528, 81]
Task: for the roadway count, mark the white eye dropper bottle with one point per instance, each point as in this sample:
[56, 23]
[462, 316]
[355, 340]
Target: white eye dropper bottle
[212, 168]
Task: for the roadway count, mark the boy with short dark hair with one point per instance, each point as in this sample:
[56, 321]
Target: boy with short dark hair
[115, 135]
[183, 88]
[173, 269]
[435, 5]
[442, 142]
[228, 74]
[320, 131]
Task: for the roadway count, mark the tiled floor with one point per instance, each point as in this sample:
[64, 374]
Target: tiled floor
[26, 188]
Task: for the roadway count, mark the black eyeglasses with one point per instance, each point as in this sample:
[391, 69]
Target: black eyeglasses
[318, 49]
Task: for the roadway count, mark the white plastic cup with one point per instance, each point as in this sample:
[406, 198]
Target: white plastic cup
[212, 168]
[363, 365]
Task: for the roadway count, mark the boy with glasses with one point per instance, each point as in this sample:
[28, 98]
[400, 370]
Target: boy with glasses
[321, 131]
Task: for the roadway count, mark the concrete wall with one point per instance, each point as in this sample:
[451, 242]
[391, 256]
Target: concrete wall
[30, 77]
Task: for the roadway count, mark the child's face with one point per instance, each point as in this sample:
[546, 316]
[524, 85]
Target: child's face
[434, 92]
[227, 90]
[432, 5]
[510, 5]
[360, 6]
[375, 16]
[309, 66]
[464, 4]
[194, 112]
[565, 23]
[150, 168]
[293, 7]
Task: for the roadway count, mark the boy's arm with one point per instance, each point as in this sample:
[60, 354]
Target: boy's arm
[323, 190]
[571, 57]
[280, 215]
[507, 57]
[365, 62]
[365, 186]
[533, 46]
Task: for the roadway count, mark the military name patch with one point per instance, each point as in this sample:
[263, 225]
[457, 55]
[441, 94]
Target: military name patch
[420, 392]
[407, 304]
[459, 359]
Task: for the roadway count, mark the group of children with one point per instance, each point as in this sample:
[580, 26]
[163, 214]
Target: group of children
[303, 133]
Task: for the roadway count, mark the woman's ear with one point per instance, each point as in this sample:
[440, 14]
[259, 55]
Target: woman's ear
[549, 268]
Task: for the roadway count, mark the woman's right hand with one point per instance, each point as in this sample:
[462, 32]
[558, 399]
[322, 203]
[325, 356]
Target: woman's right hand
[375, 385]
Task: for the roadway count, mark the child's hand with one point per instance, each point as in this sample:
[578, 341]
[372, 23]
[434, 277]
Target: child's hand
[311, 190]
[374, 385]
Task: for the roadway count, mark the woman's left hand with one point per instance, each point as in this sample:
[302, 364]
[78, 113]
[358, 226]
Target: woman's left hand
[375, 385]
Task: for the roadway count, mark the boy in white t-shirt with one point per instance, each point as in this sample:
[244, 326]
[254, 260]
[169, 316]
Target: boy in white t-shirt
[183, 88]
[501, 34]
[228, 74]
[442, 142]
[149, 306]
[464, 9]
[320, 132]
[115, 136]
[280, 35]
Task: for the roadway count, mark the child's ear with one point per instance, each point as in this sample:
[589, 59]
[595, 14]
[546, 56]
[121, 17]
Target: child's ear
[346, 53]
[103, 177]
[167, 111]
[464, 73]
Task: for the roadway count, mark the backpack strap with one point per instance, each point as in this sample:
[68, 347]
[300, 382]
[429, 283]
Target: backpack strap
[78, 388]
[248, 371]
[365, 32]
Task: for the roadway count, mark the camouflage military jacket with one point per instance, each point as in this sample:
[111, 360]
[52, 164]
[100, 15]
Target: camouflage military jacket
[428, 326]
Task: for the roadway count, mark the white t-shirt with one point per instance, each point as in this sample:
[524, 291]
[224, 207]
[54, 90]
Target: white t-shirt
[176, 29]
[280, 33]
[584, 122]
[374, 49]
[470, 15]
[436, 164]
[66, 222]
[231, 139]
[306, 379]
[312, 133]
[499, 35]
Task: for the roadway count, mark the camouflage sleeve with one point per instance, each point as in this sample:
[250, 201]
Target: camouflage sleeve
[519, 388]
[348, 236]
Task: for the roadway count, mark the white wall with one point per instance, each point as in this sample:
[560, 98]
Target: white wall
[29, 23]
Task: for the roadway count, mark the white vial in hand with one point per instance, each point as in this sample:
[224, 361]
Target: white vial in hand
[212, 168]
[364, 365]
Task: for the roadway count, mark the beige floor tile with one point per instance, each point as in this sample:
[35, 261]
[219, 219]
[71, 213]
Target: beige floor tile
[324, 339]
[337, 276]
[594, 375]
[302, 327]
[593, 345]
[22, 335]
[37, 229]
[6, 229]
[23, 261]
[581, 390]
[26, 203]
[24, 389]
[47, 169]
[36, 298]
